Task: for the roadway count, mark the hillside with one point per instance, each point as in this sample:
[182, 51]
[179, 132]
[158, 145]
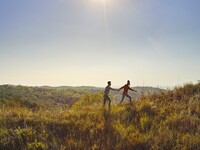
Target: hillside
[47, 96]
[38, 96]
[165, 120]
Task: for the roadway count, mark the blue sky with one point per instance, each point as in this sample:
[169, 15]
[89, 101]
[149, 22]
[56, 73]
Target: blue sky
[88, 42]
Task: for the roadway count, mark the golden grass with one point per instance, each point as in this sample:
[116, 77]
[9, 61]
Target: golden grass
[161, 121]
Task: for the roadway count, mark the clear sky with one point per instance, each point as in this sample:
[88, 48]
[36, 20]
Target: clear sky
[88, 42]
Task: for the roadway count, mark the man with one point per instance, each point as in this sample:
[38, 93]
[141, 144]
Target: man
[106, 93]
[125, 92]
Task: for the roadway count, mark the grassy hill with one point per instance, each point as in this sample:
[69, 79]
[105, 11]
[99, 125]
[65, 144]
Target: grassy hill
[49, 97]
[40, 96]
[165, 120]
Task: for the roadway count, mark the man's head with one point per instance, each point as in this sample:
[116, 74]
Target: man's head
[109, 83]
[128, 82]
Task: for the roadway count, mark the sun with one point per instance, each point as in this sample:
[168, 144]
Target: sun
[100, 1]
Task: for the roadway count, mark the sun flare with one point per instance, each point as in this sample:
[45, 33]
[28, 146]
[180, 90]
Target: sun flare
[99, 1]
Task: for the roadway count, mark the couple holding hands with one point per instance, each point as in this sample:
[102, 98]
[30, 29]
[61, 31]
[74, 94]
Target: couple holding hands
[124, 94]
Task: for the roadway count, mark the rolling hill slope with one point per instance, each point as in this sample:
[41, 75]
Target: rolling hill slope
[53, 96]
[166, 120]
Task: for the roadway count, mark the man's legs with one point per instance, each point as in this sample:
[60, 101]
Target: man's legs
[106, 97]
[104, 100]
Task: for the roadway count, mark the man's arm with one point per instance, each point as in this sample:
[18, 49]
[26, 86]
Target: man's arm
[114, 89]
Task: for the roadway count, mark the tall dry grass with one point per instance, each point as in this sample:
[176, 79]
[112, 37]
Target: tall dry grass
[168, 120]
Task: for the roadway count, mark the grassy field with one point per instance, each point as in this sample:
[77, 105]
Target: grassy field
[166, 120]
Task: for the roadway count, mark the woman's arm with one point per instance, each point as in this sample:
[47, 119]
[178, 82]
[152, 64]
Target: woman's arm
[132, 89]
[121, 88]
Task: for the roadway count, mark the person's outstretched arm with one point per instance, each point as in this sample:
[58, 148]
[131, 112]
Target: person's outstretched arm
[114, 89]
[132, 89]
[120, 88]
